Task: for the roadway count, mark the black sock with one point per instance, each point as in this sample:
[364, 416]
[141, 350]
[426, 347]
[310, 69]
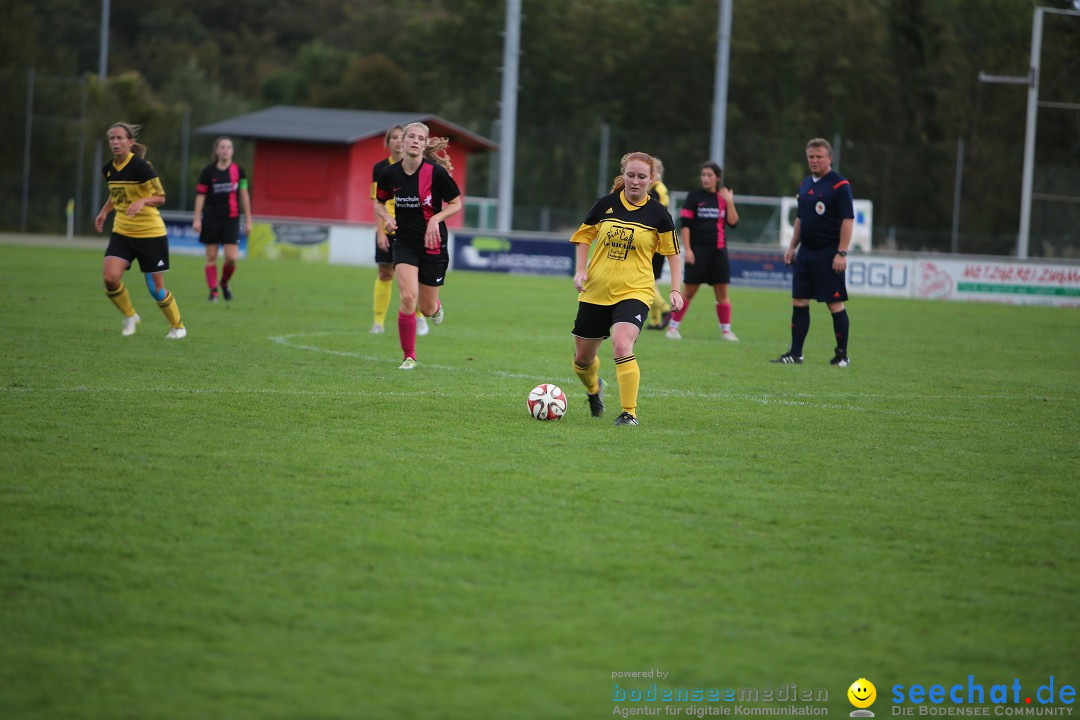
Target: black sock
[800, 326]
[840, 327]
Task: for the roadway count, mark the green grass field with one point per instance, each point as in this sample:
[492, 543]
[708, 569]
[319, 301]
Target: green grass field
[270, 520]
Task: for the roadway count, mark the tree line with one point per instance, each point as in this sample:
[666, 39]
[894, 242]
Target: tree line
[894, 83]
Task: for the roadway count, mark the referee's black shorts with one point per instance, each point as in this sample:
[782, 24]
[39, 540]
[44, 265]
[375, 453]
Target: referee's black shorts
[814, 277]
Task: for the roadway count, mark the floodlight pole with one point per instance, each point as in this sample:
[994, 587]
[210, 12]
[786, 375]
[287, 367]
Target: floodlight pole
[1029, 136]
[103, 72]
[723, 52]
[1032, 82]
[508, 116]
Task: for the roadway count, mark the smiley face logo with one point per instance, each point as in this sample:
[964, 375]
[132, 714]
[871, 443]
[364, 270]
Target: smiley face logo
[862, 693]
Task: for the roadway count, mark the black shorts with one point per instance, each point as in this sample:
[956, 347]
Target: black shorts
[658, 265]
[153, 253]
[220, 231]
[815, 278]
[431, 266]
[594, 321]
[711, 266]
[384, 257]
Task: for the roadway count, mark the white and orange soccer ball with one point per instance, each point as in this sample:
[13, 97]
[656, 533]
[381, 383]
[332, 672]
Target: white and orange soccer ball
[547, 402]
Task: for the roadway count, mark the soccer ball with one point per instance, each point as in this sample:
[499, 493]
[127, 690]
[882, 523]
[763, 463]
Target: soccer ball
[547, 402]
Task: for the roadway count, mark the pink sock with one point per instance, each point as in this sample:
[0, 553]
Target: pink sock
[723, 312]
[678, 314]
[227, 272]
[211, 276]
[406, 327]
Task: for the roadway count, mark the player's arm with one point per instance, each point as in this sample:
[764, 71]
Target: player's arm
[99, 221]
[200, 201]
[433, 238]
[245, 205]
[675, 263]
[151, 200]
[732, 218]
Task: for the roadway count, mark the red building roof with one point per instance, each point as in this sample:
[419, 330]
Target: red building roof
[316, 162]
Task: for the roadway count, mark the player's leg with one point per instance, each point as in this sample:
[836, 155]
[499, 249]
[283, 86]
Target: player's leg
[153, 255]
[112, 271]
[384, 288]
[723, 311]
[657, 308]
[407, 277]
[721, 283]
[591, 326]
[155, 283]
[625, 328]
[210, 269]
[232, 254]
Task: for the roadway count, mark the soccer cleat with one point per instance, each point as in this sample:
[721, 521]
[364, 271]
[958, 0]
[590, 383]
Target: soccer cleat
[226, 292]
[130, 321]
[421, 326]
[728, 335]
[213, 295]
[673, 333]
[437, 318]
[377, 329]
[596, 402]
[840, 359]
[408, 364]
[788, 359]
[665, 319]
[626, 419]
[176, 334]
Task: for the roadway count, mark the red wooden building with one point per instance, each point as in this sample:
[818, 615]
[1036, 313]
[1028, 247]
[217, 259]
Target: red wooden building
[316, 162]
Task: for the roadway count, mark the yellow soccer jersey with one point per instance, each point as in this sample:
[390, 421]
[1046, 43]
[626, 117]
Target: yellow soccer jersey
[128, 181]
[626, 238]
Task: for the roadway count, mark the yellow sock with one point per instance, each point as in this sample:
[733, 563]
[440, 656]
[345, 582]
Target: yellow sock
[383, 290]
[419, 314]
[628, 374]
[655, 311]
[121, 300]
[590, 376]
[170, 310]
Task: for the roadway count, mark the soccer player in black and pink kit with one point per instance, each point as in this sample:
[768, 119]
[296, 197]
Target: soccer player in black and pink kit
[706, 214]
[822, 236]
[220, 196]
[424, 195]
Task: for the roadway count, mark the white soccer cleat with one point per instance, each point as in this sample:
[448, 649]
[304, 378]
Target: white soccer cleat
[377, 329]
[421, 326]
[408, 364]
[437, 318]
[129, 324]
[673, 333]
[728, 335]
[176, 334]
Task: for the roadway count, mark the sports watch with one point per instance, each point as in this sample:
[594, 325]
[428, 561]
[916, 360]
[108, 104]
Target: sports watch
[842, 253]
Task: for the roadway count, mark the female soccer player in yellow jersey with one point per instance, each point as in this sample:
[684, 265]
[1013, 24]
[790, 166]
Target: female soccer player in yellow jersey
[135, 192]
[624, 229]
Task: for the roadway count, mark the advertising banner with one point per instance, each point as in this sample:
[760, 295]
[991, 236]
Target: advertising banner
[874, 275]
[513, 254]
[1004, 282]
[185, 241]
[762, 269]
